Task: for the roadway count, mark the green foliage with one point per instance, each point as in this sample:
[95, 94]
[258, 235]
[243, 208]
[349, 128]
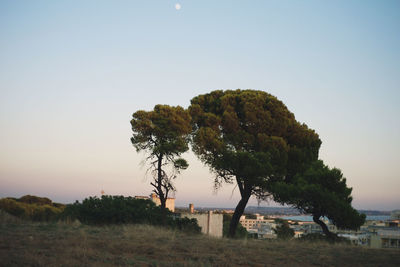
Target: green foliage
[163, 134]
[251, 135]
[32, 208]
[114, 210]
[283, 231]
[320, 237]
[35, 200]
[161, 131]
[313, 237]
[240, 233]
[320, 191]
[250, 138]
[126, 210]
[13, 207]
[186, 225]
[180, 164]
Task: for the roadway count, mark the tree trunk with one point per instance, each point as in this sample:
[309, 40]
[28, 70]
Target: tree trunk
[325, 229]
[163, 212]
[161, 195]
[238, 213]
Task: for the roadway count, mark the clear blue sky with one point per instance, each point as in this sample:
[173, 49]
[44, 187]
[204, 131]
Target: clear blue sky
[73, 72]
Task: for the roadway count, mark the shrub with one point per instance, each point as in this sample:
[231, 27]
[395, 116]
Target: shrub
[186, 225]
[321, 237]
[123, 210]
[45, 213]
[32, 208]
[35, 200]
[12, 207]
[114, 210]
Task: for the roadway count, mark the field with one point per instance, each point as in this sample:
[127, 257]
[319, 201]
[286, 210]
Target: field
[73, 244]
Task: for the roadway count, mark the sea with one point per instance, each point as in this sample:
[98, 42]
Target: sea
[305, 218]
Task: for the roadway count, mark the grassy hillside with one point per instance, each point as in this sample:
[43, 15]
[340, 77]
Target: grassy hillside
[74, 244]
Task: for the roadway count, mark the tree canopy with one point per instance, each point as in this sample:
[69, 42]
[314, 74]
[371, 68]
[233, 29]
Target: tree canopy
[163, 134]
[320, 191]
[251, 138]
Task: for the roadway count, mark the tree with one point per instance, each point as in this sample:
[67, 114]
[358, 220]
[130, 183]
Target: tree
[283, 230]
[240, 233]
[164, 135]
[320, 191]
[251, 138]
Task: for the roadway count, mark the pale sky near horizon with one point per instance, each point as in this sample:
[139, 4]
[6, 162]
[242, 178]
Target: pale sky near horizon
[73, 72]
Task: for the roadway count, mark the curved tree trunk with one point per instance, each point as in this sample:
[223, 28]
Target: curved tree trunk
[245, 193]
[236, 215]
[325, 229]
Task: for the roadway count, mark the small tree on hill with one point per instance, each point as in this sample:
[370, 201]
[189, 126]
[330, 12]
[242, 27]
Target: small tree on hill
[249, 137]
[320, 191]
[283, 231]
[163, 134]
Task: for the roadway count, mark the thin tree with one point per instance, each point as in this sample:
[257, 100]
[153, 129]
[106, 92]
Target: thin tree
[321, 192]
[163, 134]
[249, 137]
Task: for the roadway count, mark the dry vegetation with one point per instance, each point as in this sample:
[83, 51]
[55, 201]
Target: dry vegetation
[74, 244]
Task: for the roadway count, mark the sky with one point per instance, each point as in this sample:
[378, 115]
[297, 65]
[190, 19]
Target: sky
[72, 73]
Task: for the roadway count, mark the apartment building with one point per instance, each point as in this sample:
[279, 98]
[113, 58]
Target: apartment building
[259, 226]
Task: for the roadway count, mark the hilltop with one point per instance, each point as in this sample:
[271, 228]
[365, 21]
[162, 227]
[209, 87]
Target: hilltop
[73, 244]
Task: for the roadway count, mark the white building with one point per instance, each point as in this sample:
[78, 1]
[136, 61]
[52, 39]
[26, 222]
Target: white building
[210, 223]
[263, 228]
[169, 203]
[395, 215]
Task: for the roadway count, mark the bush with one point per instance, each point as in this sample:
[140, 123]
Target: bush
[35, 200]
[12, 207]
[321, 237]
[186, 225]
[45, 213]
[125, 210]
[114, 210]
[32, 208]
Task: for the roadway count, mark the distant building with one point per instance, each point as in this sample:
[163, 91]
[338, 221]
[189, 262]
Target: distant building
[375, 234]
[264, 228]
[142, 197]
[359, 239]
[312, 228]
[260, 227]
[169, 204]
[395, 215]
[388, 237]
[210, 223]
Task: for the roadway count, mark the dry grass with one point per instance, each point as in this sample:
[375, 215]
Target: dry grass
[73, 244]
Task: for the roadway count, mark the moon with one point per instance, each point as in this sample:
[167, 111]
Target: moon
[178, 6]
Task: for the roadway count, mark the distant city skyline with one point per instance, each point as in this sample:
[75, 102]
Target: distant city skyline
[72, 73]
